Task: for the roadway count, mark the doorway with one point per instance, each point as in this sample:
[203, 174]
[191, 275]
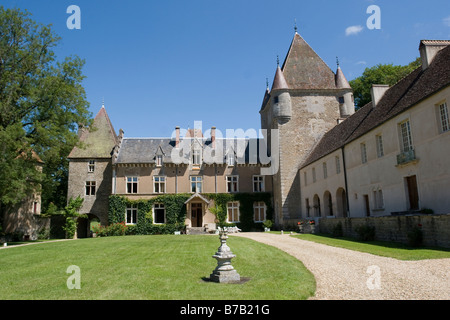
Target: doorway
[413, 192]
[366, 205]
[196, 215]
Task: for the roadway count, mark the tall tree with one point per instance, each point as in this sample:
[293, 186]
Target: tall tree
[379, 74]
[42, 102]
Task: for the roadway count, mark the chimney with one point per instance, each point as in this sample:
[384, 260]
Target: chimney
[213, 137]
[378, 91]
[177, 141]
[428, 50]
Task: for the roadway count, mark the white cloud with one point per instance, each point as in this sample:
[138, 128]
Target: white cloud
[447, 21]
[353, 30]
[361, 62]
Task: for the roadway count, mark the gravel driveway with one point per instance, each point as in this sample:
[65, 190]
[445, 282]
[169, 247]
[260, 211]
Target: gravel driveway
[343, 274]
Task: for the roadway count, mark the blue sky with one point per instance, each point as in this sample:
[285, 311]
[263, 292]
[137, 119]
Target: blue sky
[161, 64]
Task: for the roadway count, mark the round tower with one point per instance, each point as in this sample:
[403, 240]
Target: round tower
[281, 99]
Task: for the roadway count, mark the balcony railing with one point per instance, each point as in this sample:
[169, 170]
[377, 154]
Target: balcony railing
[406, 157]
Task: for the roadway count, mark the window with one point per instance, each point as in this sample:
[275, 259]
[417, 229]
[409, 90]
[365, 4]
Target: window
[231, 160]
[325, 170]
[91, 166]
[308, 207]
[314, 174]
[131, 214]
[132, 185]
[378, 199]
[338, 165]
[259, 210]
[159, 213]
[341, 100]
[232, 183]
[233, 211]
[380, 149]
[305, 177]
[276, 99]
[159, 184]
[363, 153]
[196, 184]
[159, 160]
[197, 157]
[258, 183]
[405, 136]
[443, 117]
[90, 188]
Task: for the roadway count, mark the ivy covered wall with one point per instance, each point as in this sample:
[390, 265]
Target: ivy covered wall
[175, 210]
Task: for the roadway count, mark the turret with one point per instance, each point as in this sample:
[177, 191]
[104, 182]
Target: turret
[346, 100]
[281, 99]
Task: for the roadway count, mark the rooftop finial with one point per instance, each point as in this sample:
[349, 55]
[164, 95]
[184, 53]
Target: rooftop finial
[278, 61]
[295, 25]
[267, 83]
[337, 62]
[103, 102]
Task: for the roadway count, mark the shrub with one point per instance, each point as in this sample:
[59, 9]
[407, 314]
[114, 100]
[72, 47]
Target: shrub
[337, 230]
[365, 233]
[415, 237]
[115, 229]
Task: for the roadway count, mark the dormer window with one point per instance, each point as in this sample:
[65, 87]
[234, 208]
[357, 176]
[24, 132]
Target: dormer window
[91, 166]
[159, 160]
[231, 159]
[196, 157]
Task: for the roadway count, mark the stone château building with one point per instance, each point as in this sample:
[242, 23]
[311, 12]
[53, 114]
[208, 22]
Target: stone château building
[389, 156]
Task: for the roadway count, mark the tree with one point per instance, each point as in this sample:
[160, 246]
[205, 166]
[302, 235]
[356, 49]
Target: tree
[379, 74]
[42, 102]
[71, 215]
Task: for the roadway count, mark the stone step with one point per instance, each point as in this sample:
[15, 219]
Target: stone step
[196, 230]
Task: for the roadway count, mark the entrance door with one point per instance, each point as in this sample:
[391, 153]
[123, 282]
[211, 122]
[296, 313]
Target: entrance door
[196, 214]
[366, 204]
[413, 193]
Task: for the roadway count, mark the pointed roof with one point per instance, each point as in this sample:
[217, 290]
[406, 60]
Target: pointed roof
[341, 80]
[99, 142]
[304, 69]
[279, 81]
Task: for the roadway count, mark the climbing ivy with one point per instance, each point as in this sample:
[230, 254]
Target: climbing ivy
[176, 211]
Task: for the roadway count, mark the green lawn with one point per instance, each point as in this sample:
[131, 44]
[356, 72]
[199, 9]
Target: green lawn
[381, 248]
[150, 267]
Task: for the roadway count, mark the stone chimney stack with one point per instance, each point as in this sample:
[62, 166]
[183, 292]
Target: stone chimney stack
[177, 141]
[213, 137]
[378, 91]
[428, 50]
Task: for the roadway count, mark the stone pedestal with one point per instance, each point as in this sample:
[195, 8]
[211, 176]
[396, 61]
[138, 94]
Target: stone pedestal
[224, 272]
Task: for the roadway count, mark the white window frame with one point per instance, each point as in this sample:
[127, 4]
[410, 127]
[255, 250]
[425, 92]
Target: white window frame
[232, 184]
[196, 157]
[233, 210]
[132, 181]
[158, 206]
[91, 166]
[406, 143]
[378, 199]
[198, 181]
[159, 184]
[258, 183]
[132, 212]
[159, 160]
[380, 147]
[443, 117]
[338, 164]
[259, 211]
[363, 153]
[231, 159]
[90, 188]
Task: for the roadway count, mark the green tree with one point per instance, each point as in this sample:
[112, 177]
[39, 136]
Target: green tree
[42, 102]
[71, 215]
[379, 74]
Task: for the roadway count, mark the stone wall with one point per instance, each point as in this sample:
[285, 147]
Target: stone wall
[435, 228]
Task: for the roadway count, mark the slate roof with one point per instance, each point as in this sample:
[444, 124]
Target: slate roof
[100, 142]
[409, 91]
[144, 150]
[304, 69]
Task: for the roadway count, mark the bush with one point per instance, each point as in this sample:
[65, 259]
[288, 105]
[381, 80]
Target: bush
[365, 233]
[115, 229]
[337, 231]
[415, 237]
